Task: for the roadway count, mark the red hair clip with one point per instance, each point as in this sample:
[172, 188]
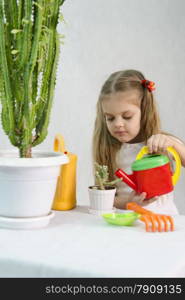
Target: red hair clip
[150, 85]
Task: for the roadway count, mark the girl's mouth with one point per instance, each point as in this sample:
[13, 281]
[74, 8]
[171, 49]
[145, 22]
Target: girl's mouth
[120, 133]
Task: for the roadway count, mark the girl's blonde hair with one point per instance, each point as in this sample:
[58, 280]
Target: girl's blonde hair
[106, 146]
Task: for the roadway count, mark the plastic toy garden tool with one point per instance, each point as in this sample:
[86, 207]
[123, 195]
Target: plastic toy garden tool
[152, 173]
[65, 194]
[153, 222]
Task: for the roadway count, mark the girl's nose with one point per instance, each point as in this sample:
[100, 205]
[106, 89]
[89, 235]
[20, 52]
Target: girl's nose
[119, 122]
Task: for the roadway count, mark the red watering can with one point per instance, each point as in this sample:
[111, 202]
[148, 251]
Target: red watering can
[152, 173]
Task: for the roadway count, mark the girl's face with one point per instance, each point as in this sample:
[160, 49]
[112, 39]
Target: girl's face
[122, 114]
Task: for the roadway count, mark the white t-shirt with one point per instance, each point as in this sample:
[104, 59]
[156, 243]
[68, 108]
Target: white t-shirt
[125, 157]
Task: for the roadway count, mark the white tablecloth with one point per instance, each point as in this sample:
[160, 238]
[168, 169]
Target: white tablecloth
[78, 244]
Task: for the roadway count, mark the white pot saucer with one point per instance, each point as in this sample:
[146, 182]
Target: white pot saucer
[26, 223]
[101, 212]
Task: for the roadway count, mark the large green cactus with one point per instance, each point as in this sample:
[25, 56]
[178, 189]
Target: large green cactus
[29, 51]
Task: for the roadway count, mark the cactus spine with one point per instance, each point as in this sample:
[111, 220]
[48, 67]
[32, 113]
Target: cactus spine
[29, 52]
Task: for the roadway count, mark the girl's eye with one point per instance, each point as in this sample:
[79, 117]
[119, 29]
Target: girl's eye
[109, 119]
[127, 118]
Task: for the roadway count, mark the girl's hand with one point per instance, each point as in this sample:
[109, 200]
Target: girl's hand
[159, 143]
[140, 198]
[121, 201]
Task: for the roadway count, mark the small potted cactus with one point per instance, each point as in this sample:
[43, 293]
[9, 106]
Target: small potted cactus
[29, 53]
[101, 195]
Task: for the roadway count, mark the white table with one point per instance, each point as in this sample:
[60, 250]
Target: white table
[78, 244]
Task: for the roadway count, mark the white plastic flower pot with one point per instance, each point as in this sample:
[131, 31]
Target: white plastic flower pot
[101, 201]
[28, 186]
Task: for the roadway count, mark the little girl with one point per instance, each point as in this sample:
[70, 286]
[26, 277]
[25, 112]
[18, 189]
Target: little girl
[127, 119]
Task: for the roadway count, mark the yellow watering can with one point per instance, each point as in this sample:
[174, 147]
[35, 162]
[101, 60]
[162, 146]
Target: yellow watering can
[65, 194]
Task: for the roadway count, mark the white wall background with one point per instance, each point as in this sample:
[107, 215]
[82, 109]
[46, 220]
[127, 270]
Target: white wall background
[103, 36]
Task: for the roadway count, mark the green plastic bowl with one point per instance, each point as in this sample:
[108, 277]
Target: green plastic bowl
[125, 219]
